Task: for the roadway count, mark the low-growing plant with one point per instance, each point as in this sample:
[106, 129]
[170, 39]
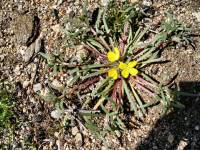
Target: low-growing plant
[5, 109]
[120, 50]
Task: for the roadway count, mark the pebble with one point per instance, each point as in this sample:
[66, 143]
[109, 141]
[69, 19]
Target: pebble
[56, 134]
[103, 148]
[17, 70]
[23, 28]
[170, 138]
[56, 84]
[56, 28]
[75, 130]
[134, 1]
[182, 144]
[37, 87]
[81, 54]
[25, 84]
[56, 114]
[197, 15]
[78, 140]
[29, 52]
[197, 127]
[147, 2]
[104, 2]
[38, 44]
[2, 57]
[155, 147]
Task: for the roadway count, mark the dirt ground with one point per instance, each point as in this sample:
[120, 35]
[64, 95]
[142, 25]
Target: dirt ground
[21, 65]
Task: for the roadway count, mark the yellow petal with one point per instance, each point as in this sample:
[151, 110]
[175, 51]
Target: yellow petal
[113, 74]
[116, 50]
[122, 65]
[125, 73]
[133, 71]
[132, 64]
[117, 53]
[111, 56]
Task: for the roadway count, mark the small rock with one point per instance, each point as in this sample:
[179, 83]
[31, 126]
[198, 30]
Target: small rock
[75, 130]
[117, 132]
[2, 42]
[25, 84]
[182, 144]
[56, 114]
[155, 147]
[23, 28]
[197, 127]
[134, 1]
[147, 2]
[197, 15]
[37, 87]
[103, 148]
[104, 2]
[29, 52]
[59, 2]
[56, 134]
[81, 54]
[170, 138]
[17, 70]
[78, 140]
[2, 57]
[38, 44]
[56, 84]
[56, 28]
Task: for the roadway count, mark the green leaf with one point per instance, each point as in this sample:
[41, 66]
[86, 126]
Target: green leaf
[95, 66]
[138, 100]
[105, 24]
[97, 44]
[108, 88]
[147, 54]
[148, 78]
[93, 74]
[134, 43]
[150, 61]
[101, 84]
[92, 47]
[50, 59]
[49, 97]
[104, 43]
[97, 24]
[130, 36]
[130, 98]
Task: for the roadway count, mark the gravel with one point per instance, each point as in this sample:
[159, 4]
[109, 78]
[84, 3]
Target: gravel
[56, 114]
[37, 87]
[21, 62]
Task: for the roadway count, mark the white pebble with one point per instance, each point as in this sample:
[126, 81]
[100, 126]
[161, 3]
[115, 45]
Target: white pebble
[37, 87]
[197, 127]
[25, 84]
[56, 114]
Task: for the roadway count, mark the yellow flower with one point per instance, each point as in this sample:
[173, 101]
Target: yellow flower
[113, 56]
[113, 73]
[128, 69]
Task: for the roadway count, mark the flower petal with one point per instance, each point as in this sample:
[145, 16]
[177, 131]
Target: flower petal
[113, 73]
[133, 71]
[111, 56]
[132, 64]
[122, 65]
[117, 53]
[125, 73]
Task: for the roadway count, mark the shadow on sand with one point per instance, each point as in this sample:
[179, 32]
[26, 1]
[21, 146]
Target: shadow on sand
[180, 129]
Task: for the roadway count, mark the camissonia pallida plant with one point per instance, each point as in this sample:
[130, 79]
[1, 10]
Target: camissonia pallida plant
[120, 51]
